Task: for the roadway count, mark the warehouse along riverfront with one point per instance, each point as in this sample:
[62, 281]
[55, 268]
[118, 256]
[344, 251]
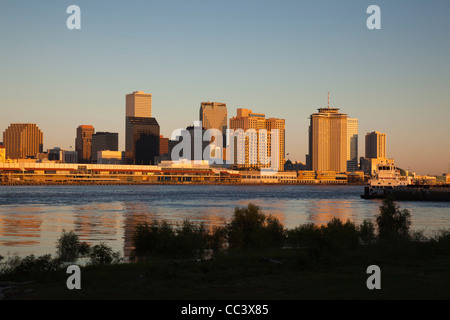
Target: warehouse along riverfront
[165, 172]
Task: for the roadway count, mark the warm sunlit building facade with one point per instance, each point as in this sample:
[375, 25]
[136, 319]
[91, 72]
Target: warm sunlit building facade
[2, 154]
[328, 141]
[22, 140]
[142, 140]
[104, 141]
[83, 143]
[375, 145]
[138, 104]
[163, 145]
[375, 152]
[250, 152]
[142, 132]
[213, 115]
[352, 145]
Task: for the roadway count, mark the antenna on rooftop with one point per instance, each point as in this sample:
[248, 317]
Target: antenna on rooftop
[328, 100]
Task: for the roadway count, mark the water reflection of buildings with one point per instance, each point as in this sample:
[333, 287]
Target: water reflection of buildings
[99, 222]
[20, 227]
[322, 211]
[211, 216]
[133, 215]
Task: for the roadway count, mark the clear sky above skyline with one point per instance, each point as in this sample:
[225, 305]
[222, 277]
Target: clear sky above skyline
[275, 57]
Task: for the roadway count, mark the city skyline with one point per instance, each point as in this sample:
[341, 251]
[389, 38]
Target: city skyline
[286, 56]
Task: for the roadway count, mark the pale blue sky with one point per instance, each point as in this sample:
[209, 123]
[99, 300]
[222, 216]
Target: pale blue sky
[275, 57]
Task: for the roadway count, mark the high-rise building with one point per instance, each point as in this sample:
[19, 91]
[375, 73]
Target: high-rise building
[375, 152]
[22, 140]
[213, 115]
[328, 140]
[255, 146]
[163, 145]
[375, 145]
[352, 145]
[141, 130]
[83, 143]
[104, 141]
[138, 104]
[193, 149]
[142, 140]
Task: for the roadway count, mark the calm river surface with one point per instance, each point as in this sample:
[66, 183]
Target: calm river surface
[32, 217]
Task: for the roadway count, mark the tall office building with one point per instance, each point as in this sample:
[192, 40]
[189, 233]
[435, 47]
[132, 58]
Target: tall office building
[213, 115]
[102, 141]
[142, 140]
[139, 104]
[250, 153]
[83, 143]
[23, 140]
[375, 145]
[163, 145]
[328, 140]
[352, 145]
[194, 148]
[141, 130]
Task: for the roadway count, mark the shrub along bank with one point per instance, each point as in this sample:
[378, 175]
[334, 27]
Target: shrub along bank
[251, 257]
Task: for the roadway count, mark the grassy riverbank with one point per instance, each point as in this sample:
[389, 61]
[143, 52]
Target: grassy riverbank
[252, 257]
[251, 275]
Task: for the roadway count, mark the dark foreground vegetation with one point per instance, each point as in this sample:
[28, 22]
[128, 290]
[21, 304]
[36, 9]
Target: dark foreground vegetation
[252, 257]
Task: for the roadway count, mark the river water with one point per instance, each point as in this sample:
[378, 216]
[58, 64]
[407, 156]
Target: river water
[33, 217]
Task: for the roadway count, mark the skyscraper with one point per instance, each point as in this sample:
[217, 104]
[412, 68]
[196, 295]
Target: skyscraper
[254, 146]
[194, 148]
[163, 145]
[141, 130]
[22, 140]
[102, 141]
[352, 145]
[213, 115]
[142, 142]
[375, 145]
[83, 143]
[139, 104]
[328, 140]
[375, 152]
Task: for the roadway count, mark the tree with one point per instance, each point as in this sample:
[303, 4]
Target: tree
[393, 223]
[251, 228]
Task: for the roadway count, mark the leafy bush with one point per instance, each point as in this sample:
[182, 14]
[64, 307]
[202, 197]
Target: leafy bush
[306, 236]
[218, 238]
[333, 236]
[160, 238]
[30, 265]
[442, 239]
[101, 254]
[68, 246]
[367, 232]
[393, 223]
[192, 239]
[251, 228]
[338, 235]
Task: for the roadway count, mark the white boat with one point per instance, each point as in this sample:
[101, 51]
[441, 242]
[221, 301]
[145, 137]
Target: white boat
[387, 176]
